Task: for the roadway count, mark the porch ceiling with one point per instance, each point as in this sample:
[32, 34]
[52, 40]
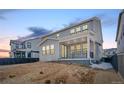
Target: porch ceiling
[73, 41]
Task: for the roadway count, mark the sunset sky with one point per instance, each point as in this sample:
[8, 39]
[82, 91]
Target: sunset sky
[15, 23]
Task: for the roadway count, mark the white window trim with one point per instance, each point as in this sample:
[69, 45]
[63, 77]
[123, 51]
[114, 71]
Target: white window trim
[72, 31]
[85, 27]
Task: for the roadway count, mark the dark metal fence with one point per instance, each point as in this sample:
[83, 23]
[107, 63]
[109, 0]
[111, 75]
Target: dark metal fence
[121, 64]
[114, 62]
[8, 61]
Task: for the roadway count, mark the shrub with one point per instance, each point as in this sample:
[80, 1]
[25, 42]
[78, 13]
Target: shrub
[12, 76]
[47, 82]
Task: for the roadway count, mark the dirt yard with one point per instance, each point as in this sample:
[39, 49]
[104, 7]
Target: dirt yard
[55, 73]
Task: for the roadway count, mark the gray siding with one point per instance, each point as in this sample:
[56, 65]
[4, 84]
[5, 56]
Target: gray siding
[50, 57]
[120, 40]
[91, 27]
[93, 33]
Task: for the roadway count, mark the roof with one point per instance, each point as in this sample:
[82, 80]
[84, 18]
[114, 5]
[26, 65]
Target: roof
[119, 21]
[23, 40]
[82, 22]
[46, 40]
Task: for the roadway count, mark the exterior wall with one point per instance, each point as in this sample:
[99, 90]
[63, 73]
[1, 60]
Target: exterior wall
[93, 33]
[34, 47]
[49, 57]
[120, 44]
[93, 25]
[120, 40]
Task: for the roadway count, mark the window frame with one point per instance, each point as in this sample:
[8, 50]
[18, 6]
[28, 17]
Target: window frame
[84, 49]
[84, 27]
[78, 27]
[28, 44]
[76, 48]
[72, 31]
[44, 50]
[47, 49]
[52, 50]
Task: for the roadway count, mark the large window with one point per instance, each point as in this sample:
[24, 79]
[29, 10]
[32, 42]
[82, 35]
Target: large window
[47, 50]
[78, 50]
[43, 50]
[28, 44]
[84, 49]
[78, 47]
[72, 52]
[63, 51]
[72, 48]
[52, 49]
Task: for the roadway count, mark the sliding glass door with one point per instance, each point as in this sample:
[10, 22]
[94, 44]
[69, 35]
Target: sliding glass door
[63, 51]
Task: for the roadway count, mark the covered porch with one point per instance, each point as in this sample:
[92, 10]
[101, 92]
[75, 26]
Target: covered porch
[77, 49]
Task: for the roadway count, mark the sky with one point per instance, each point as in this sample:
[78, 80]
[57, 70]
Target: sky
[16, 23]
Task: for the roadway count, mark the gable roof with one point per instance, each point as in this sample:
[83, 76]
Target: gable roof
[66, 28]
[119, 21]
[46, 40]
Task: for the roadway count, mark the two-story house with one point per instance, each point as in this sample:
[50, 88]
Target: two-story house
[120, 43]
[25, 48]
[82, 41]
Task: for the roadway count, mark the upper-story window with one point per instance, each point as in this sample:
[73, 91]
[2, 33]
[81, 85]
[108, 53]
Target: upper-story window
[17, 46]
[28, 44]
[84, 27]
[57, 35]
[72, 31]
[23, 45]
[78, 29]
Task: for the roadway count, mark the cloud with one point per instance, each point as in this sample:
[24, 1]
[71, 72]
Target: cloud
[3, 12]
[36, 32]
[4, 42]
[73, 22]
[4, 50]
[2, 18]
[107, 20]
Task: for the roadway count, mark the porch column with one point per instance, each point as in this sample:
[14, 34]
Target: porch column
[88, 48]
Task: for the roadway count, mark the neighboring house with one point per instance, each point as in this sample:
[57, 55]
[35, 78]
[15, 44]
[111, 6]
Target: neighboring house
[25, 48]
[120, 43]
[82, 41]
[109, 52]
